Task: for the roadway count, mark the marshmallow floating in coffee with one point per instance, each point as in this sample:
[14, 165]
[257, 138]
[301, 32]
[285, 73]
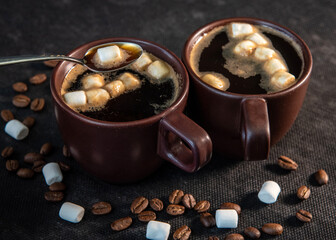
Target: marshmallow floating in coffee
[281, 80]
[75, 99]
[142, 62]
[244, 48]
[115, 88]
[130, 81]
[16, 129]
[97, 97]
[157, 230]
[106, 57]
[93, 81]
[226, 218]
[157, 70]
[221, 83]
[257, 38]
[269, 192]
[264, 53]
[52, 173]
[273, 65]
[71, 212]
[241, 29]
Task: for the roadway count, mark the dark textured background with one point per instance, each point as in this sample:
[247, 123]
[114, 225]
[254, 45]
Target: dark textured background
[37, 27]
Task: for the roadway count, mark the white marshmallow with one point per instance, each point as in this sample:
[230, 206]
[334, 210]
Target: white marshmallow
[264, 53]
[257, 38]
[97, 97]
[269, 192]
[75, 99]
[52, 173]
[216, 82]
[157, 70]
[71, 212]
[107, 55]
[115, 88]
[244, 48]
[273, 65]
[130, 81]
[241, 29]
[226, 218]
[281, 80]
[142, 62]
[16, 129]
[93, 81]
[157, 230]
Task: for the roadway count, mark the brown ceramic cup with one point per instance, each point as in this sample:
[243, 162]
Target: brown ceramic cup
[244, 126]
[122, 152]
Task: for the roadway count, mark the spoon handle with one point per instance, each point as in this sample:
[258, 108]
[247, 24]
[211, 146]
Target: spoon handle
[32, 58]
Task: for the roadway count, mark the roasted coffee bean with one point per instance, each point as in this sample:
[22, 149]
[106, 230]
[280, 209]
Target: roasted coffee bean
[321, 177]
[46, 149]
[12, 165]
[272, 229]
[303, 193]
[176, 196]
[230, 205]
[252, 232]
[25, 173]
[38, 165]
[7, 152]
[51, 63]
[202, 206]
[121, 224]
[29, 121]
[21, 101]
[189, 201]
[287, 163]
[139, 204]
[213, 238]
[304, 216]
[183, 233]
[54, 196]
[20, 87]
[66, 152]
[64, 167]
[37, 104]
[38, 78]
[174, 209]
[101, 208]
[156, 204]
[7, 115]
[207, 220]
[32, 157]
[146, 216]
[57, 187]
[234, 236]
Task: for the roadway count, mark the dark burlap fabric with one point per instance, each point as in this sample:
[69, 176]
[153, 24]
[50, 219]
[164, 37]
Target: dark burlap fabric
[29, 27]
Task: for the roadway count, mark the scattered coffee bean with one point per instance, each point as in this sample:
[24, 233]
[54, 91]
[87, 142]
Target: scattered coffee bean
[156, 204]
[37, 104]
[207, 220]
[29, 121]
[57, 187]
[287, 163]
[46, 149]
[7, 115]
[54, 196]
[66, 152]
[21, 101]
[234, 236]
[7, 152]
[303, 193]
[176, 196]
[121, 224]
[183, 233]
[304, 216]
[51, 63]
[272, 229]
[213, 238]
[146, 216]
[252, 232]
[12, 165]
[64, 167]
[101, 208]
[38, 78]
[139, 204]
[32, 157]
[25, 173]
[321, 177]
[189, 201]
[175, 210]
[230, 205]
[202, 206]
[20, 87]
[38, 165]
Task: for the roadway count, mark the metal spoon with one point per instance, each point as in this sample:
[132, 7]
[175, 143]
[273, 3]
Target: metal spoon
[134, 51]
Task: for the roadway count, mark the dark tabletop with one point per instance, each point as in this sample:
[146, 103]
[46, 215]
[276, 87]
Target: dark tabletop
[37, 27]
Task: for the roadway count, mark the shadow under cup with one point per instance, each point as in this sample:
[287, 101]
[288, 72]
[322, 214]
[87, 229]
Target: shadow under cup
[244, 126]
[123, 152]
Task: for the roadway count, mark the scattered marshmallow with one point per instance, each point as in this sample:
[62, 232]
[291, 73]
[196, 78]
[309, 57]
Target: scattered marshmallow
[115, 88]
[52, 173]
[216, 82]
[257, 38]
[264, 53]
[16, 129]
[71, 212]
[75, 99]
[273, 65]
[97, 97]
[157, 70]
[269, 192]
[93, 81]
[244, 48]
[142, 62]
[241, 29]
[107, 56]
[281, 80]
[130, 81]
[157, 230]
[226, 218]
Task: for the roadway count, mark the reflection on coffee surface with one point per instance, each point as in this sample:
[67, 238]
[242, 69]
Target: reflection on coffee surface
[143, 89]
[248, 59]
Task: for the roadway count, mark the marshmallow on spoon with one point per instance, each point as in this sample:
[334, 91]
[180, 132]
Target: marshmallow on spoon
[115, 88]
[157, 70]
[142, 62]
[273, 65]
[226, 218]
[75, 99]
[244, 48]
[241, 29]
[130, 81]
[97, 97]
[71, 212]
[93, 81]
[16, 129]
[52, 173]
[257, 38]
[281, 80]
[216, 82]
[107, 56]
[264, 53]
[157, 230]
[269, 192]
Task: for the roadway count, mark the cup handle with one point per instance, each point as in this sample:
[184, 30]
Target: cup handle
[182, 142]
[255, 130]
